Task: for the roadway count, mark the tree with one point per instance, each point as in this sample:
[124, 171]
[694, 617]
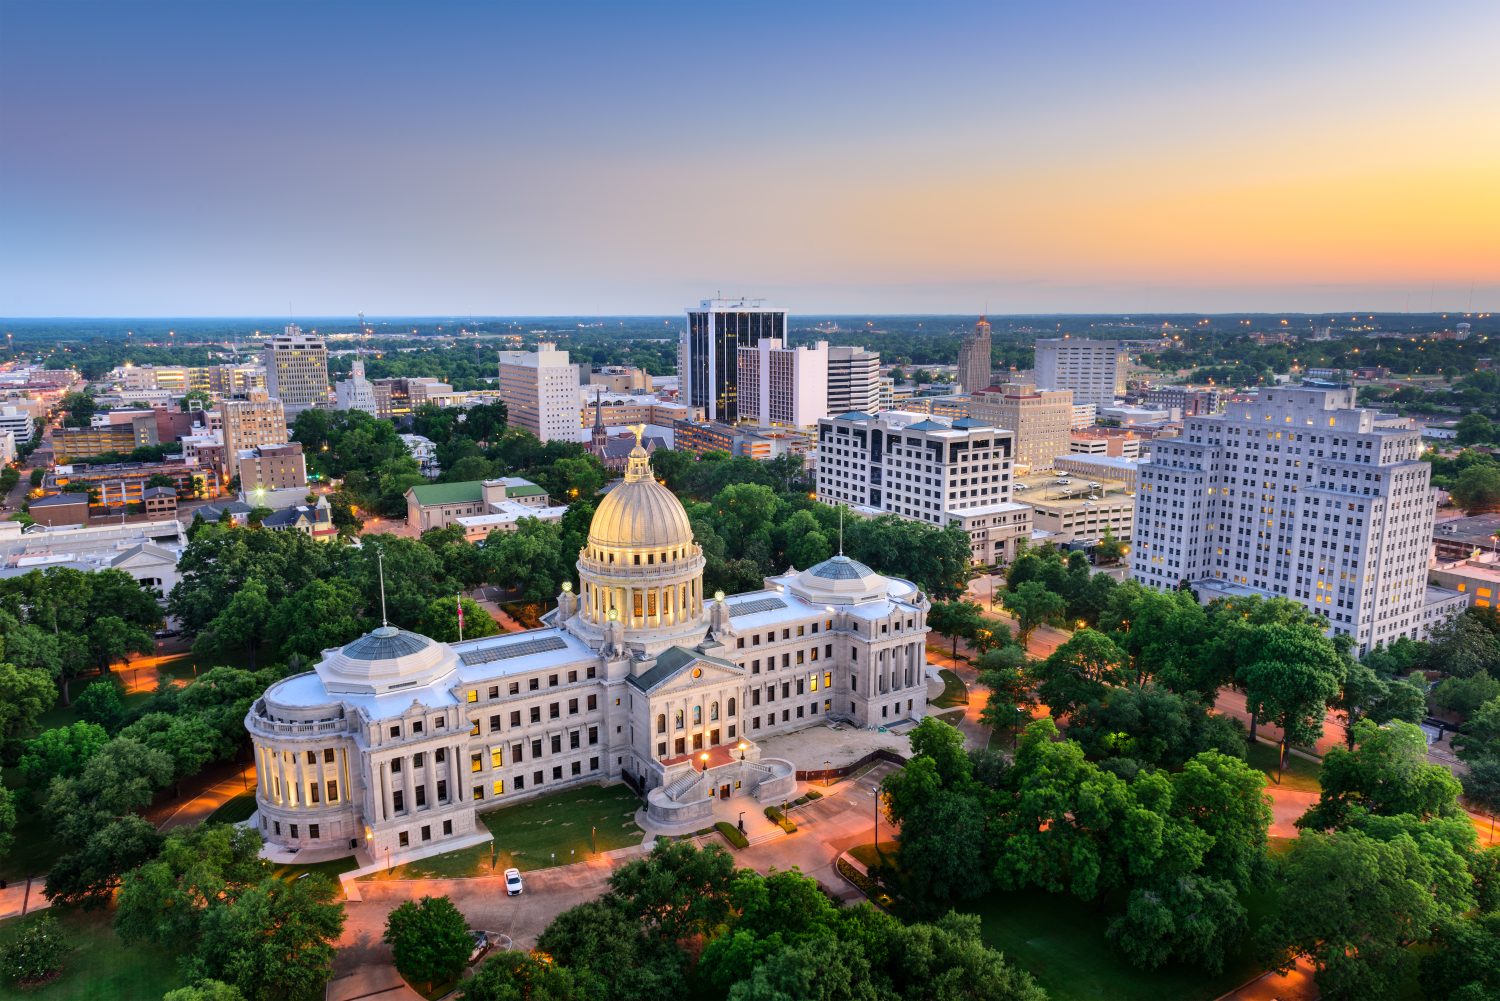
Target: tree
[113, 638]
[530, 559]
[1386, 774]
[275, 941]
[1352, 904]
[1474, 429]
[1365, 695]
[599, 940]
[1290, 675]
[37, 953]
[25, 693]
[101, 703]
[519, 976]
[241, 626]
[89, 874]
[1482, 737]
[1080, 671]
[1152, 725]
[1478, 489]
[677, 889]
[955, 619]
[189, 740]
[205, 990]
[1464, 963]
[322, 614]
[441, 620]
[1032, 604]
[430, 940]
[1464, 696]
[1109, 549]
[60, 752]
[7, 819]
[119, 780]
[1010, 700]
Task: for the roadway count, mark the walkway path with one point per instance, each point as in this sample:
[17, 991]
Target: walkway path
[198, 807]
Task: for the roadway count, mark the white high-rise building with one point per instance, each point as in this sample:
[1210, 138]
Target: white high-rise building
[928, 469]
[853, 380]
[356, 392]
[19, 422]
[1301, 495]
[781, 386]
[709, 354]
[1093, 370]
[540, 390]
[296, 369]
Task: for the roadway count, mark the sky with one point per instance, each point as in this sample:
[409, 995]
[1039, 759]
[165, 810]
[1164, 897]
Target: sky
[439, 158]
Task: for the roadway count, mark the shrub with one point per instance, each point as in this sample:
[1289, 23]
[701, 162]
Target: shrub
[732, 834]
[868, 886]
[813, 794]
[37, 953]
[780, 820]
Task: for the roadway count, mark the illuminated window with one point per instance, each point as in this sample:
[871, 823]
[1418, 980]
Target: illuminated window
[473, 695]
[499, 787]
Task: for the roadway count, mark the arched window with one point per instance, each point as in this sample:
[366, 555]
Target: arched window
[713, 711]
[678, 719]
[697, 715]
[661, 723]
[731, 708]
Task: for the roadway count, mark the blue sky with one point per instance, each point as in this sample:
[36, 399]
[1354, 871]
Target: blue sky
[230, 158]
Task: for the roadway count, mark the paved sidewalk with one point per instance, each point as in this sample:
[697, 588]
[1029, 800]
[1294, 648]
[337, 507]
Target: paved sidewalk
[16, 899]
[198, 809]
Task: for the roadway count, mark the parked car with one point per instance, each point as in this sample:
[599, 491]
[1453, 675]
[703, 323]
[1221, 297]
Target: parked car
[513, 882]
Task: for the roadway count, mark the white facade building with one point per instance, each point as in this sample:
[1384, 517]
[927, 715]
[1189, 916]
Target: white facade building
[424, 451]
[393, 743]
[1093, 370]
[540, 390]
[296, 369]
[928, 469]
[1299, 495]
[853, 380]
[781, 386]
[19, 422]
[356, 392]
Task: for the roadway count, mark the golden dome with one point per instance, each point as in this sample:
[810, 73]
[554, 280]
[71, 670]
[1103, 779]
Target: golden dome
[641, 514]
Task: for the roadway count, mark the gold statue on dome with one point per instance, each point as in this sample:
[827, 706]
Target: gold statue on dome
[639, 430]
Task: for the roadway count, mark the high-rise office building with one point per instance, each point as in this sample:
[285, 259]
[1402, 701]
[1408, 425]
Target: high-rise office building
[1093, 370]
[257, 420]
[296, 369]
[1301, 495]
[853, 380]
[540, 390]
[1040, 419]
[708, 355]
[927, 469]
[781, 386]
[974, 359]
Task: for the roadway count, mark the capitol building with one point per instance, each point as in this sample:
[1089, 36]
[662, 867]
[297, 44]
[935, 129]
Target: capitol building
[394, 743]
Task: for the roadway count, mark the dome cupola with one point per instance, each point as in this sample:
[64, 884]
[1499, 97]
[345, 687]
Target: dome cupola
[384, 660]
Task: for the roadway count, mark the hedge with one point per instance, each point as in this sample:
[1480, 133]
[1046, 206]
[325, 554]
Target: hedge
[780, 819]
[732, 834]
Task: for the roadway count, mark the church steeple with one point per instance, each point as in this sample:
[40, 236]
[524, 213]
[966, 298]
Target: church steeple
[599, 436]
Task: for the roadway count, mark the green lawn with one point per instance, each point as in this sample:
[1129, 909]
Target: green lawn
[331, 869]
[100, 965]
[1061, 942]
[540, 833]
[1300, 773]
[955, 692]
[235, 810]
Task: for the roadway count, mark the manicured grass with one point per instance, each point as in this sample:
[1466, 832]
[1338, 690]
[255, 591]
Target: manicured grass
[1061, 942]
[332, 869]
[235, 810]
[1300, 774]
[871, 858]
[540, 833]
[100, 965]
[951, 716]
[955, 692]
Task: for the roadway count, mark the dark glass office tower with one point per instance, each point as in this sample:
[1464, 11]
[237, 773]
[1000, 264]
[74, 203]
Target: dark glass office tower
[708, 360]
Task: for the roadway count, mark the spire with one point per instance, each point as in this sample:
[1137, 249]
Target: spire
[599, 410]
[841, 530]
[380, 565]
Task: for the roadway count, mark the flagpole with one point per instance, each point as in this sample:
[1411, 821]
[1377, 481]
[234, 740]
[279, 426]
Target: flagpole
[458, 603]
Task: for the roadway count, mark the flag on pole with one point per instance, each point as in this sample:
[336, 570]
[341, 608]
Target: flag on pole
[459, 602]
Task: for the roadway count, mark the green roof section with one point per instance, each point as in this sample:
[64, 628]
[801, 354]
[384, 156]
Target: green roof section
[434, 494]
[526, 490]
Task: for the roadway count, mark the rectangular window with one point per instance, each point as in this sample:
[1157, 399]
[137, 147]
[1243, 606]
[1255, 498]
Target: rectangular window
[333, 791]
[536, 714]
[497, 757]
[556, 773]
[494, 723]
[556, 744]
[312, 757]
[440, 755]
[577, 768]
[515, 688]
[572, 677]
[520, 782]
[515, 717]
[536, 778]
[499, 786]
[328, 756]
[312, 831]
[442, 790]
[447, 827]
[473, 695]
[398, 800]
[593, 735]
[396, 765]
[536, 747]
[477, 793]
[312, 792]
[573, 740]
[554, 710]
[572, 707]
[403, 839]
[426, 832]
[494, 691]
[474, 730]
[294, 830]
[593, 764]
[551, 681]
[515, 752]
[593, 702]
[421, 794]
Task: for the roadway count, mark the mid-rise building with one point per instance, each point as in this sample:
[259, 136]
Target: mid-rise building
[1040, 419]
[974, 359]
[271, 468]
[781, 386]
[1121, 442]
[503, 501]
[400, 397]
[296, 369]
[702, 437]
[120, 438]
[1093, 370]
[257, 420]
[540, 390]
[1298, 494]
[355, 392]
[1185, 400]
[928, 469]
[709, 353]
[853, 380]
[395, 742]
[19, 422]
[1068, 509]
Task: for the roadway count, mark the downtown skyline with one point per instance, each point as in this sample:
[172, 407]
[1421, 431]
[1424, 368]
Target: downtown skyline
[176, 160]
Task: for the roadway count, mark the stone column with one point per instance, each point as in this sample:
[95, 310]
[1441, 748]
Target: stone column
[408, 785]
[286, 781]
[429, 779]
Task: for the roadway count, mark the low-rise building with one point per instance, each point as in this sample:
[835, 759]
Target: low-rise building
[314, 520]
[125, 483]
[60, 509]
[270, 468]
[424, 451]
[1477, 578]
[1073, 509]
[160, 502]
[438, 505]
[69, 444]
[1106, 441]
[1459, 538]
[146, 550]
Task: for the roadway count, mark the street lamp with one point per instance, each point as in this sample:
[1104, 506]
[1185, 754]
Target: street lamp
[742, 751]
[875, 791]
[703, 758]
[827, 773]
[742, 821]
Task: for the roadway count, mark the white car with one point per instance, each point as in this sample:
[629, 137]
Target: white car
[513, 882]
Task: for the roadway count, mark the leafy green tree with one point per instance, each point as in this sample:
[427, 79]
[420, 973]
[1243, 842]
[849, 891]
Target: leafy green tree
[1402, 655]
[205, 990]
[195, 869]
[60, 752]
[956, 619]
[1464, 646]
[1032, 604]
[1385, 774]
[529, 559]
[7, 819]
[189, 740]
[25, 693]
[601, 941]
[1365, 695]
[242, 626]
[569, 479]
[101, 703]
[1464, 963]
[1475, 429]
[441, 620]
[1109, 549]
[119, 780]
[677, 890]
[471, 468]
[1290, 675]
[1003, 672]
[1153, 726]
[90, 873]
[430, 940]
[1464, 696]
[275, 941]
[1352, 905]
[1477, 489]
[519, 976]
[322, 614]
[1080, 671]
[37, 952]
